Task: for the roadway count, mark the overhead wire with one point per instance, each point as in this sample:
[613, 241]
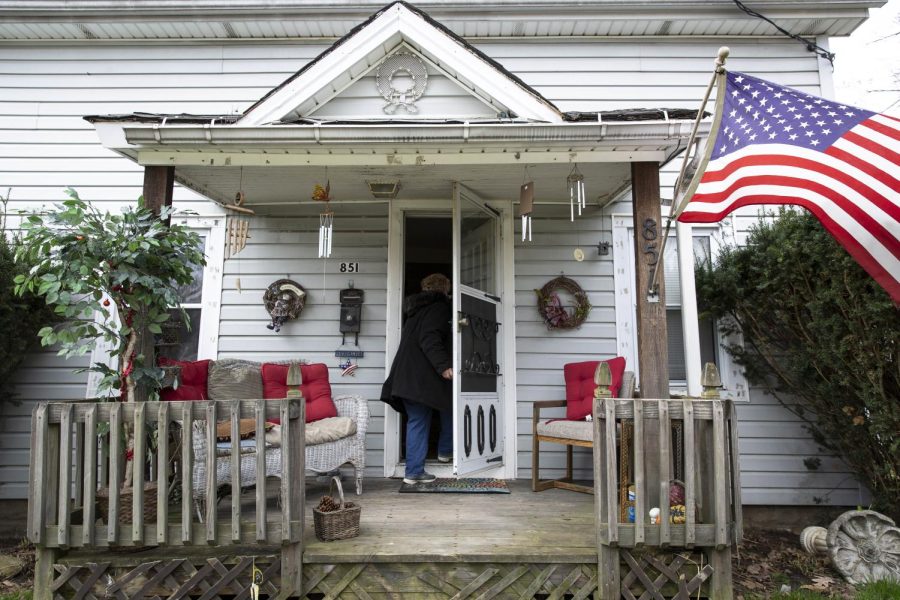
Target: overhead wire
[811, 45]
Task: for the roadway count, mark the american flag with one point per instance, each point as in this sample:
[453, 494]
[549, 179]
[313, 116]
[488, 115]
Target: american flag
[777, 145]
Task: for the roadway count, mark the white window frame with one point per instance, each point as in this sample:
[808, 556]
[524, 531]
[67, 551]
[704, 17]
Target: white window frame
[734, 382]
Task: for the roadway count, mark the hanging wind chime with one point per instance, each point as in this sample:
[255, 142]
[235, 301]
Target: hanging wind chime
[526, 207]
[577, 196]
[237, 226]
[326, 219]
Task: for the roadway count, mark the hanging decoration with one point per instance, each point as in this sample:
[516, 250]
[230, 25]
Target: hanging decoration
[237, 223]
[401, 79]
[577, 197]
[326, 219]
[526, 206]
[284, 300]
[551, 308]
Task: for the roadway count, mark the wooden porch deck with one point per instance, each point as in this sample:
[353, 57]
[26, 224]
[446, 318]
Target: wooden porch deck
[523, 526]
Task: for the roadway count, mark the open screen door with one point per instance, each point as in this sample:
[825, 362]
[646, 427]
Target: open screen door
[477, 361]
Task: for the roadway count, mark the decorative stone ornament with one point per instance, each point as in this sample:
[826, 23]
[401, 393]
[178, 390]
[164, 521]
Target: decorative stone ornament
[388, 78]
[864, 546]
[284, 300]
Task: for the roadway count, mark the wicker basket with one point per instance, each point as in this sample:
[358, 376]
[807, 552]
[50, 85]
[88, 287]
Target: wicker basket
[337, 524]
[125, 503]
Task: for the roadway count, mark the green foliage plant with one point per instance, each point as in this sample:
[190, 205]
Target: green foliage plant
[821, 336]
[108, 276]
[20, 316]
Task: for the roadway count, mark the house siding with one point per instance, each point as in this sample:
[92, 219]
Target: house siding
[45, 145]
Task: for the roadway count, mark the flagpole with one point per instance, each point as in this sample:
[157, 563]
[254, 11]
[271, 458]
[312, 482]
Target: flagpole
[678, 203]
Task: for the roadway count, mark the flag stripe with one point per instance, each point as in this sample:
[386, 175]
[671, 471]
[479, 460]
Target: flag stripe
[870, 130]
[866, 162]
[823, 208]
[886, 130]
[882, 186]
[887, 120]
[875, 148]
[811, 187]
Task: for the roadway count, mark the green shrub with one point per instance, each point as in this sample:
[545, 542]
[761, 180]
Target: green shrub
[20, 317]
[821, 336]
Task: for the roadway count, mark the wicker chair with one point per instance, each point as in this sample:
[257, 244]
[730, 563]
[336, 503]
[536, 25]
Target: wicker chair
[320, 458]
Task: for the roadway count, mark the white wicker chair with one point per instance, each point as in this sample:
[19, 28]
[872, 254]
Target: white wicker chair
[320, 458]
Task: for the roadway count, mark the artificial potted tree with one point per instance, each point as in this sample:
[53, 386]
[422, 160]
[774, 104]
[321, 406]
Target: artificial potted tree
[111, 277]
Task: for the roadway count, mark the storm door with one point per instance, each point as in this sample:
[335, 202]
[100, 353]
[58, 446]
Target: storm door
[477, 362]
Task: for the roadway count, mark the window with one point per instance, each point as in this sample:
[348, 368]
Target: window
[178, 341]
[706, 241]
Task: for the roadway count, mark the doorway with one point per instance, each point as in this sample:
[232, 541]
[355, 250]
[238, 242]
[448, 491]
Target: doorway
[427, 249]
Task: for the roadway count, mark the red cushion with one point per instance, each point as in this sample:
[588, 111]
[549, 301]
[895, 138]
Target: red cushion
[315, 387]
[580, 385]
[191, 382]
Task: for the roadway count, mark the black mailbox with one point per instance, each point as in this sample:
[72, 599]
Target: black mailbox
[351, 309]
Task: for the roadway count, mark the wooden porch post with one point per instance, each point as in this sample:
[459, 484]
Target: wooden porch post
[653, 354]
[159, 183]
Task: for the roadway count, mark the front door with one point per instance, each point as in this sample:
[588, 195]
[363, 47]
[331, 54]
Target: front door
[478, 422]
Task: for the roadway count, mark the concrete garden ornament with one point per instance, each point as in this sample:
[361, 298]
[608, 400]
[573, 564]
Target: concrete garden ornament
[401, 80]
[863, 545]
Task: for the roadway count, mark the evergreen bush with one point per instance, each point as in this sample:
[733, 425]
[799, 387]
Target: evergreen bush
[21, 317]
[821, 336]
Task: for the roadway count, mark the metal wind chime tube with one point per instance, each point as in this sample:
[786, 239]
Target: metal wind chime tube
[526, 206]
[577, 195]
[326, 228]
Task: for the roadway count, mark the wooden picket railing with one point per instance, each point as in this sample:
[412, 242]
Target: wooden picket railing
[634, 437]
[79, 449]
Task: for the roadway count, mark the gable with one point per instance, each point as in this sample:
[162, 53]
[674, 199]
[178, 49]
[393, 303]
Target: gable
[405, 85]
[340, 75]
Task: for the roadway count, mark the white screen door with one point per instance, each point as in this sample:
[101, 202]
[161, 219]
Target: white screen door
[477, 357]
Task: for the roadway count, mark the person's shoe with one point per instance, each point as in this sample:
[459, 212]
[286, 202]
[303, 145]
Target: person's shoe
[445, 458]
[420, 478]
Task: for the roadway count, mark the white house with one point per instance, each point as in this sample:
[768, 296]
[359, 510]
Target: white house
[458, 103]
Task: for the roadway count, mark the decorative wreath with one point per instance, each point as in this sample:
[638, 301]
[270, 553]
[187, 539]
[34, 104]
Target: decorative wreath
[284, 300]
[557, 316]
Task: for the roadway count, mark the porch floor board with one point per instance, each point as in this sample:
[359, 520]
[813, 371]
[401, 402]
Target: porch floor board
[524, 526]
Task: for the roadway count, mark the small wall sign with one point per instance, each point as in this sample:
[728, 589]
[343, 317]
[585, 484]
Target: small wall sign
[349, 267]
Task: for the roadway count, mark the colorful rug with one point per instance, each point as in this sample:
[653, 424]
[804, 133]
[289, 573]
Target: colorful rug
[472, 485]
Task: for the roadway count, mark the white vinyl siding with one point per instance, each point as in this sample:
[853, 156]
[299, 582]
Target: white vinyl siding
[45, 145]
[286, 247]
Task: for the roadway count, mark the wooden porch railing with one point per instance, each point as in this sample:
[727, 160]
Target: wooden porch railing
[704, 451]
[78, 449]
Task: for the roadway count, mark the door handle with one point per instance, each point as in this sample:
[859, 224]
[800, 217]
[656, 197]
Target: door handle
[462, 321]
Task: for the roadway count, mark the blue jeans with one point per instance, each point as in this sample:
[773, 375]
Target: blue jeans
[418, 425]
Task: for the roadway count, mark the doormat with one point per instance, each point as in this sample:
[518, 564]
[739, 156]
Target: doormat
[472, 485]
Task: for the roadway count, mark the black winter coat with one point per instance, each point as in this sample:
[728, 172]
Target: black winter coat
[424, 353]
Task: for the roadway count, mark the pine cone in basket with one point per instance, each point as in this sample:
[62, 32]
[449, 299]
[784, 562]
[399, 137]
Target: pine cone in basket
[327, 504]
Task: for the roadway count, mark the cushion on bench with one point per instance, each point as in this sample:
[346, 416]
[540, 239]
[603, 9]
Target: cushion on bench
[580, 385]
[561, 428]
[316, 388]
[234, 379]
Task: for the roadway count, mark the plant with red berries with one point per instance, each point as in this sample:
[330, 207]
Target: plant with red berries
[108, 276]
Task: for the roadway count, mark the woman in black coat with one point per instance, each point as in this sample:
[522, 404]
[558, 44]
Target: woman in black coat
[419, 380]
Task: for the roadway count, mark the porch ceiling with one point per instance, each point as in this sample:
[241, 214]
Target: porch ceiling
[268, 189]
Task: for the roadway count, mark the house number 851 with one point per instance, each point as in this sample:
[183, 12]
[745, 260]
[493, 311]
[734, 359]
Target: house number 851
[349, 267]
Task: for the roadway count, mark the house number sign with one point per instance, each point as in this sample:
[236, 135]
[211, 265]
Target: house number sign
[349, 267]
[651, 253]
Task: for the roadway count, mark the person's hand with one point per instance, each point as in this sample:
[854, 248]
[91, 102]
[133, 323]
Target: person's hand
[447, 374]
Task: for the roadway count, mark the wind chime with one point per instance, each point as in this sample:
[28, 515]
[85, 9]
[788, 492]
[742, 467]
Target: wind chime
[526, 207]
[577, 196]
[237, 225]
[326, 219]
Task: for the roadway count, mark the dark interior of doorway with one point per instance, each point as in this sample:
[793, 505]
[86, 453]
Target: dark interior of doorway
[427, 249]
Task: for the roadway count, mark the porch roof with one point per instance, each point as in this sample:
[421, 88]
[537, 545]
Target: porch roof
[280, 163]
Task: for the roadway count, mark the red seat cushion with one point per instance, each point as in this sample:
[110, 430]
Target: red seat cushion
[191, 382]
[315, 387]
[580, 385]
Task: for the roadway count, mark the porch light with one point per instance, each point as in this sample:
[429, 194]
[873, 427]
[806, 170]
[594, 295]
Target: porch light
[384, 189]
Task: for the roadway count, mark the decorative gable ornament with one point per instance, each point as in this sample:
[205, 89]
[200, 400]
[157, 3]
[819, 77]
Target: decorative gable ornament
[394, 69]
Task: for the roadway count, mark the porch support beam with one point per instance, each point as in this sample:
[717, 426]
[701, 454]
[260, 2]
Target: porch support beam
[653, 355]
[159, 184]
